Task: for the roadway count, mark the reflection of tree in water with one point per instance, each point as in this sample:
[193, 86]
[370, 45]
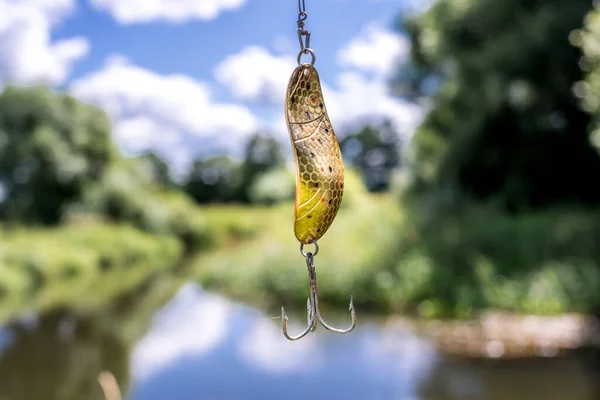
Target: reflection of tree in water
[61, 358]
[51, 363]
[516, 379]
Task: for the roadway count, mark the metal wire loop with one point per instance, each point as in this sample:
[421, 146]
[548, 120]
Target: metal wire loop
[312, 55]
[304, 35]
[304, 39]
[306, 255]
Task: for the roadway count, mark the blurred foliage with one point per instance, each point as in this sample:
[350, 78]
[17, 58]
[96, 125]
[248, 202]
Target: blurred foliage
[588, 39]
[273, 187]
[504, 124]
[159, 170]
[129, 193]
[214, 180]
[542, 263]
[375, 151]
[79, 266]
[58, 162]
[219, 179]
[61, 357]
[51, 147]
[456, 264]
[501, 210]
[263, 154]
[268, 269]
[80, 223]
[497, 211]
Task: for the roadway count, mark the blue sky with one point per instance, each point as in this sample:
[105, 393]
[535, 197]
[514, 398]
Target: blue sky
[188, 77]
[196, 47]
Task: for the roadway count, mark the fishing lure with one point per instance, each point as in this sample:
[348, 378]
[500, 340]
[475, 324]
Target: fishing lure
[319, 165]
[319, 169]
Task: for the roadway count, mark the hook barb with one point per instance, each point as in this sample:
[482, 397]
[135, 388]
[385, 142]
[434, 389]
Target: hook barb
[312, 304]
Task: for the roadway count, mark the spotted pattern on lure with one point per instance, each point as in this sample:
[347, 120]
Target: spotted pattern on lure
[319, 164]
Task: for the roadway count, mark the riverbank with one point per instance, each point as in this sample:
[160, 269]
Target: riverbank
[456, 266]
[78, 266]
[501, 335]
[249, 253]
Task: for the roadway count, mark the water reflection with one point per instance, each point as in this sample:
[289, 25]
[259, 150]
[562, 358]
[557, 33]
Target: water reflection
[205, 347]
[53, 361]
[228, 351]
[202, 346]
[59, 356]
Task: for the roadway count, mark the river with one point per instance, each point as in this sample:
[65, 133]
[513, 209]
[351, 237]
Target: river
[201, 346]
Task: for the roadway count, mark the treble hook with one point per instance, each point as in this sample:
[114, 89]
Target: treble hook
[312, 304]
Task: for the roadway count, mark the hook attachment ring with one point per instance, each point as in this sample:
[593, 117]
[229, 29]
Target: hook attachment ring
[312, 55]
[307, 254]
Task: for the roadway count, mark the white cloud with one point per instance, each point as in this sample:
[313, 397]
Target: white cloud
[255, 74]
[192, 324]
[265, 348]
[416, 6]
[28, 55]
[173, 11]
[139, 133]
[375, 50]
[170, 114]
[361, 92]
[414, 357]
[358, 99]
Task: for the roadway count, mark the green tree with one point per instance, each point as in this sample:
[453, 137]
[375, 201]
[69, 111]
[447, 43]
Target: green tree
[51, 147]
[159, 169]
[273, 187]
[58, 163]
[504, 124]
[263, 154]
[588, 90]
[215, 179]
[219, 179]
[375, 152]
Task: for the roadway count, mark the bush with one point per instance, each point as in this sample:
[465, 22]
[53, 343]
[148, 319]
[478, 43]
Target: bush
[542, 263]
[274, 187]
[129, 194]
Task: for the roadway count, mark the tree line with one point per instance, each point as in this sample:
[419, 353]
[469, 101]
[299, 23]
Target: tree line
[262, 175]
[57, 157]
